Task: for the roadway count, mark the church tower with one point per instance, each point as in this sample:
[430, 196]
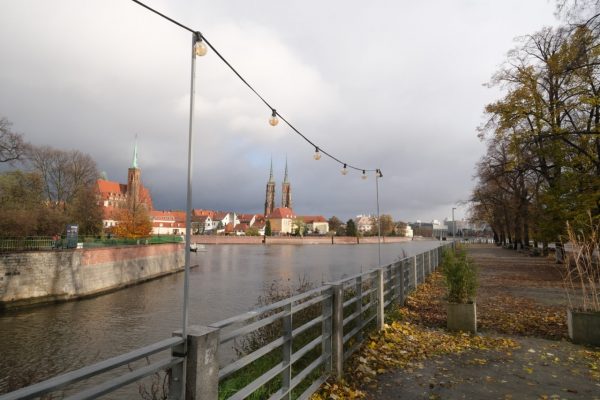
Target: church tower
[270, 194]
[286, 190]
[133, 182]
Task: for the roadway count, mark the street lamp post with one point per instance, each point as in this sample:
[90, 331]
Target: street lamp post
[378, 175]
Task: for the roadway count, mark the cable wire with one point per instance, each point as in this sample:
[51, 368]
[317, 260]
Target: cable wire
[273, 109]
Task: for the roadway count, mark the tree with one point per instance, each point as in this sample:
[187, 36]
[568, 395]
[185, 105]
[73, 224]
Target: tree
[252, 231]
[542, 166]
[351, 228]
[12, 146]
[334, 223]
[268, 231]
[299, 227]
[64, 172]
[387, 224]
[21, 203]
[133, 223]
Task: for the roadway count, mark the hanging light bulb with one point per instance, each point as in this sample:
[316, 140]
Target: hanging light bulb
[199, 47]
[364, 175]
[379, 174]
[273, 120]
[344, 170]
[317, 155]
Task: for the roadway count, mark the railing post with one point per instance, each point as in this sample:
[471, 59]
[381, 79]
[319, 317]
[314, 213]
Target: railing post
[399, 282]
[402, 280]
[327, 330]
[359, 306]
[380, 299]
[429, 270]
[286, 375]
[201, 365]
[416, 273]
[423, 267]
[337, 337]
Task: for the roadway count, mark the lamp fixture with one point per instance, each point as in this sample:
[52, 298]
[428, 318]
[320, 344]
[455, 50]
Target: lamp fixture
[317, 155]
[364, 175]
[273, 120]
[344, 170]
[379, 174]
[199, 47]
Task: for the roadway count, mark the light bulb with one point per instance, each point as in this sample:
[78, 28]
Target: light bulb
[200, 48]
[364, 175]
[317, 155]
[344, 170]
[274, 120]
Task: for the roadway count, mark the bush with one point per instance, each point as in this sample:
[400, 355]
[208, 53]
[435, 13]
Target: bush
[460, 276]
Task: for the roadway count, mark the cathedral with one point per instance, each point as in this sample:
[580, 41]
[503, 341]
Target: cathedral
[286, 192]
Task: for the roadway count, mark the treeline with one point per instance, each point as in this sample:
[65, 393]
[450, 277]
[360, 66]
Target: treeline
[46, 189]
[542, 165]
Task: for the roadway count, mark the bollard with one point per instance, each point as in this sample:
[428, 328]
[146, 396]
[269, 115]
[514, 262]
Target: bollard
[201, 365]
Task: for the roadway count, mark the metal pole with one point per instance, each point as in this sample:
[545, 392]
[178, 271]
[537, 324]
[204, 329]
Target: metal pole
[378, 218]
[188, 205]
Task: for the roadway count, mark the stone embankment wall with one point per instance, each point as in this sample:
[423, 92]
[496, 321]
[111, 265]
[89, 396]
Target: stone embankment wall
[211, 239]
[49, 276]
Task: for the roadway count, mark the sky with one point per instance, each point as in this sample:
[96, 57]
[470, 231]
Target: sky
[395, 85]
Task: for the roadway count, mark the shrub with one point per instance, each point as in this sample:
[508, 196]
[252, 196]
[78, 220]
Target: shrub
[460, 276]
[581, 276]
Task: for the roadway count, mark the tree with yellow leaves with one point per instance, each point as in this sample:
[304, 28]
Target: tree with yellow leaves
[134, 223]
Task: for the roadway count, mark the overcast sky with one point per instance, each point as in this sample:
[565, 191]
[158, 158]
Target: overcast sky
[396, 85]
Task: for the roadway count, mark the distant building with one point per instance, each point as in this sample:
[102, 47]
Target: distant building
[168, 222]
[281, 220]
[115, 196]
[364, 223]
[316, 224]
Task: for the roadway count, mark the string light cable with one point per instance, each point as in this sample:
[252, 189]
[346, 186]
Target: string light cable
[274, 113]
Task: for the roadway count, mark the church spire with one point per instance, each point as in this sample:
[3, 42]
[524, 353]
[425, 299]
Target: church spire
[285, 177]
[271, 173]
[134, 163]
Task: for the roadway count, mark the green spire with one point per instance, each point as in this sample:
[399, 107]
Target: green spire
[285, 177]
[271, 173]
[134, 164]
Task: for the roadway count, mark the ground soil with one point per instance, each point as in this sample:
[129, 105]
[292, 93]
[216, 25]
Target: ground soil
[520, 297]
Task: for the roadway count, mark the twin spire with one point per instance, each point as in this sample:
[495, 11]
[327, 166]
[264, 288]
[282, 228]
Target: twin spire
[286, 191]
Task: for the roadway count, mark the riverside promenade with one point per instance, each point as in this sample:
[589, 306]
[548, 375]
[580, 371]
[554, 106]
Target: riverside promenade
[521, 351]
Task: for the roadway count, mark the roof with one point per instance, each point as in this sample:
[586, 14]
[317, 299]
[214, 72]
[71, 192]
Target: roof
[246, 217]
[105, 186]
[309, 219]
[220, 215]
[282, 212]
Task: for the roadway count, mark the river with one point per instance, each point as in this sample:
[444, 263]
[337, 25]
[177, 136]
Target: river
[45, 341]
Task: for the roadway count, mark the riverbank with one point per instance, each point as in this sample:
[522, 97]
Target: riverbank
[215, 239]
[41, 277]
[520, 305]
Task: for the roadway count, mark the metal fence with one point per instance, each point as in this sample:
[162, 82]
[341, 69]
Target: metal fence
[37, 243]
[284, 350]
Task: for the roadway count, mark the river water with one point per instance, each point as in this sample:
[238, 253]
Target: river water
[45, 341]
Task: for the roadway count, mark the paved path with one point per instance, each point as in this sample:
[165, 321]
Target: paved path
[539, 369]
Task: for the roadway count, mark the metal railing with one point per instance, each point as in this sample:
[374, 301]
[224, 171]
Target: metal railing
[37, 243]
[284, 350]
[60, 381]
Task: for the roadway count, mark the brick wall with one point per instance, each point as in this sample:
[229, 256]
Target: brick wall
[49, 276]
[292, 239]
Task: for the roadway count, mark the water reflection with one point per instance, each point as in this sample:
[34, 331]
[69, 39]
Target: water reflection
[49, 340]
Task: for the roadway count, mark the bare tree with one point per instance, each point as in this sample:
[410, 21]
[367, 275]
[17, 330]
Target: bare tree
[12, 145]
[64, 173]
